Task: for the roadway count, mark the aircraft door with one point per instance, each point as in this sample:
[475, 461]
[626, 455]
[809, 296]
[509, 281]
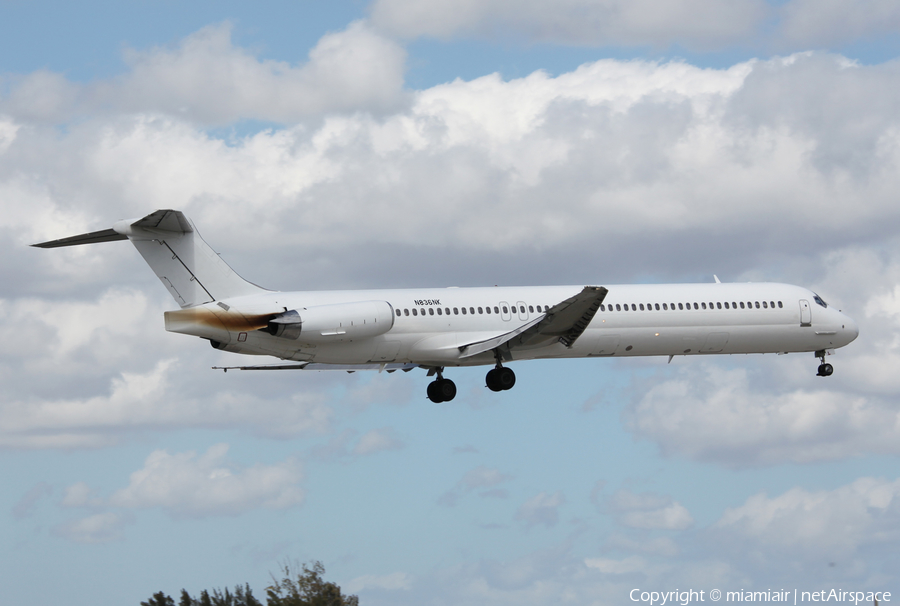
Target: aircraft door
[805, 313]
[505, 311]
[523, 311]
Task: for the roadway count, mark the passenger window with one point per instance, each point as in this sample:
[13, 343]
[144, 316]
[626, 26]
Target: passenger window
[488, 310]
[726, 304]
[665, 306]
[505, 309]
[602, 307]
[618, 308]
[680, 306]
[765, 305]
[405, 312]
[695, 306]
[430, 311]
[718, 306]
[530, 309]
[779, 305]
[480, 311]
[455, 311]
[415, 312]
[440, 313]
[472, 310]
[521, 309]
[742, 305]
[657, 306]
[733, 305]
[642, 307]
[423, 311]
[703, 305]
[772, 304]
[463, 311]
[757, 305]
[497, 309]
[398, 312]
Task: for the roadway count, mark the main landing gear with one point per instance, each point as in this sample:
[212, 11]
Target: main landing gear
[441, 389]
[500, 378]
[825, 369]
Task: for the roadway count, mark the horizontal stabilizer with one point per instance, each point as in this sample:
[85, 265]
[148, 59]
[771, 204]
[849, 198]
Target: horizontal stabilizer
[104, 235]
[390, 367]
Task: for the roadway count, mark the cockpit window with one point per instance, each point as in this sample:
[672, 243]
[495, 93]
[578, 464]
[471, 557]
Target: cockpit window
[819, 300]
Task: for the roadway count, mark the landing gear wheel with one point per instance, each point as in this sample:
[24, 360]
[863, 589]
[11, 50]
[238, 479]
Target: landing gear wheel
[441, 390]
[500, 379]
[492, 380]
[825, 370]
[507, 378]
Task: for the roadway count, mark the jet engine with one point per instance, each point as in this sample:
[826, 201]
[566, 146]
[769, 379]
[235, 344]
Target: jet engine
[333, 323]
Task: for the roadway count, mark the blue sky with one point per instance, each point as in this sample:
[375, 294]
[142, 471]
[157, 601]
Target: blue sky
[394, 143]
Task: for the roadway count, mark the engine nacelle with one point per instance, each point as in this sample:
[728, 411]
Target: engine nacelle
[334, 323]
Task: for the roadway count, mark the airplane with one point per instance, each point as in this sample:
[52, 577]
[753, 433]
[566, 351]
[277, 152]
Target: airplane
[440, 328]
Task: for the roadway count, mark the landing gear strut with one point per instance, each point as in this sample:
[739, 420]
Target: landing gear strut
[441, 389]
[825, 369]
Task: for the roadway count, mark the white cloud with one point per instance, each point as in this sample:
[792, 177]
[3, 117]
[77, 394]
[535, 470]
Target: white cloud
[188, 485]
[209, 80]
[28, 504]
[80, 495]
[97, 528]
[713, 414]
[818, 23]
[831, 523]
[649, 511]
[542, 508]
[658, 546]
[391, 582]
[692, 23]
[611, 566]
[377, 440]
[481, 478]
[148, 401]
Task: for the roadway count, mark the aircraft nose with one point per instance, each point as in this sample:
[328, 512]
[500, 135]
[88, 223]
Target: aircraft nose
[850, 329]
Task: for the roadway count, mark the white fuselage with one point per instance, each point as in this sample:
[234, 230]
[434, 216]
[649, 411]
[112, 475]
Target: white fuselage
[430, 326]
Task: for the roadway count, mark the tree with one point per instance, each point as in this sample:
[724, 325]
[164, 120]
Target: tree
[159, 599]
[306, 588]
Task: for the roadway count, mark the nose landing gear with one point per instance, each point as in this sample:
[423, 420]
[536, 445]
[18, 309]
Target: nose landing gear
[825, 369]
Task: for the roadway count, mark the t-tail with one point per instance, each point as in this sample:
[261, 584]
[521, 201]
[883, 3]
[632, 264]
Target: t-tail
[181, 259]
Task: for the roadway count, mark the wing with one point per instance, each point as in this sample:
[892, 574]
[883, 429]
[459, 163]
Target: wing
[563, 322]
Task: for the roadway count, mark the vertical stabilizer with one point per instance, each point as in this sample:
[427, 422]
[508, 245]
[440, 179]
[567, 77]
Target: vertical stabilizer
[192, 271]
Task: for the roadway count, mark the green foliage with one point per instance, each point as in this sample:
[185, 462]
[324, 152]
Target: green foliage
[306, 588]
[301, 586]
[159, 599]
